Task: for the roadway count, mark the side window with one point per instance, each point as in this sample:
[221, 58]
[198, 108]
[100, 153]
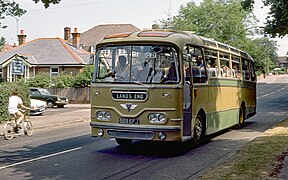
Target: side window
[225, 70]
[245, 69]
[34, 92]
[212, 63]
[252, 71]
[197, 65]
[236, 73]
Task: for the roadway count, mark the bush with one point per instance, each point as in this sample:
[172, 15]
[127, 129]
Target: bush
[63, 80]
[83, 79]
[5, 92]
[40, 80]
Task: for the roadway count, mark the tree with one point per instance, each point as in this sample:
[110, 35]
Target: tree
[8, 8]
[222, 20]
[47, 2]
[264, 52]
[2, 42]
[277, 20]
[226, 21]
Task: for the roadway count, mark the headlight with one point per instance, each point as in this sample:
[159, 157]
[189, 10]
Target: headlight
[157, 118]
[103, 115]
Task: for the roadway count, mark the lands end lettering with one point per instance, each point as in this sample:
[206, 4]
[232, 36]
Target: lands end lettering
[136, 96]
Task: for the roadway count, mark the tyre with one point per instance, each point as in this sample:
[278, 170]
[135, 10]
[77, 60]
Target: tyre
[50, 104]
[28, 128]
[123, 142]
[8, 131]
[241, 117]
[199, 130]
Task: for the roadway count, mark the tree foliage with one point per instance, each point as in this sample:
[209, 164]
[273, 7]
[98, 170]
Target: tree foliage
[9, 8]
[47, 2]
[225, 21]
[277, 20]
[2, 43]
[222, 20]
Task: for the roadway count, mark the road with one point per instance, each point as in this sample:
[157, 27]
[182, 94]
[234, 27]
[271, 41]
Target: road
[70, 153]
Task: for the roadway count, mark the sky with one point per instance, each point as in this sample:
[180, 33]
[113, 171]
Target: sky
[39, 22]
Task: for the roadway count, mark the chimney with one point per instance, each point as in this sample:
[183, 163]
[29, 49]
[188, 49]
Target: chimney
[67, 32]
[76, 38]
[21, 37]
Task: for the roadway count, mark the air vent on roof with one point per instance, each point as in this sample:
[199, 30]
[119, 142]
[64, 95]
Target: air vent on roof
[119, 35]
[154, 34]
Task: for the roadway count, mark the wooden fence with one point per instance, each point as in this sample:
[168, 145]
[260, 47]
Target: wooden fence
[75, 95]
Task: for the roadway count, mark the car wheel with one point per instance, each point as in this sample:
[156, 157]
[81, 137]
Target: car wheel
[50, 104]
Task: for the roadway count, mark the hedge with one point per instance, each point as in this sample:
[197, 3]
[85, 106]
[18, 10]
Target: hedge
[5, 91]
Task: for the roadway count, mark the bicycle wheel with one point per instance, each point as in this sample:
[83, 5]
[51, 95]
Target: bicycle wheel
[8, 131]
[28, 128]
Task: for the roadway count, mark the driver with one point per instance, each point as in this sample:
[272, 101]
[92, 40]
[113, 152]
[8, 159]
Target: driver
[121, 70]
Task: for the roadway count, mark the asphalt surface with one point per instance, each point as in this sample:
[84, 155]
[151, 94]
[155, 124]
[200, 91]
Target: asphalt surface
[81, 114]
[283, 175]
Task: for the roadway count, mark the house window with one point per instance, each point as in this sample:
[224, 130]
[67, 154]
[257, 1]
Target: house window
[1, 72]
[54, 71]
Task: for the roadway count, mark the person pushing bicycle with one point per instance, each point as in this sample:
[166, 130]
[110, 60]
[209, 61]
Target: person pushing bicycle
[13, 108]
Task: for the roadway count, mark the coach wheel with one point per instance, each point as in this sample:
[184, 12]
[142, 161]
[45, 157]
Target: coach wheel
[199, 130]
[241, 117]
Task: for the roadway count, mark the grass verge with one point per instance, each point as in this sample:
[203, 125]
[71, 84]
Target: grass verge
[262, 158]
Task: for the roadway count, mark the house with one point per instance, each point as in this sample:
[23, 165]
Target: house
[282, 62]
[90, 38]
[52, 55]
[55, 55]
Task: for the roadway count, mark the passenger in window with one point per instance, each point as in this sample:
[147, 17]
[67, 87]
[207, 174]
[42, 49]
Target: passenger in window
[236, 70]
[171, 75]
[200, 61]
[226, 71]
[212, 68]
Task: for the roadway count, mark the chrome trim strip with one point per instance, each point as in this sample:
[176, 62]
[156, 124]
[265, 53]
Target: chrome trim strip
[134, 127]
[176, 120]
[133, 115]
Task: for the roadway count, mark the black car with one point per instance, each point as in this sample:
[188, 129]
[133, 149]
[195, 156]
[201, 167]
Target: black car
[44, 95]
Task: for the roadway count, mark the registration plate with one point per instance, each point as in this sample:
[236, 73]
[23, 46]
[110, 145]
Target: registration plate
[128, 121]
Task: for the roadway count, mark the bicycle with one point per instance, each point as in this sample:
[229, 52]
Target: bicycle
[11, 127]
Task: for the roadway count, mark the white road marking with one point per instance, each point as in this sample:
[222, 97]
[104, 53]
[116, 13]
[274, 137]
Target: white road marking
[268, 94]
[39, 158]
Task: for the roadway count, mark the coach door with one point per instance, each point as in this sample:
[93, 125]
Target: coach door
[187, 98]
